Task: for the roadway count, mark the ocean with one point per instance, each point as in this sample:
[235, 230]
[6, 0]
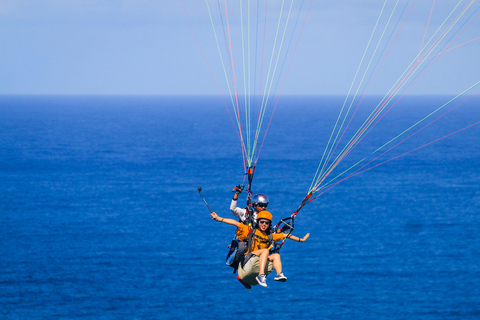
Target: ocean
[100, 217]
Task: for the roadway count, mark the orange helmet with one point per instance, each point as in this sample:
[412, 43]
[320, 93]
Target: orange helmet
[264, 215]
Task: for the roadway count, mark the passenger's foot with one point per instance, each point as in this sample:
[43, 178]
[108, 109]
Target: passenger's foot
[280, 277]
[262, 280]
[246, 285]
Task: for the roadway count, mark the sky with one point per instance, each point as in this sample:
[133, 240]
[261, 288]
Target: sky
[148, 47]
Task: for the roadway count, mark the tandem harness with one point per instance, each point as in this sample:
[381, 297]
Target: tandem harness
[237, 255]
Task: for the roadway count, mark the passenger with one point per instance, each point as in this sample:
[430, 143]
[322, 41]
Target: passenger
[259, 203]
[259, 262]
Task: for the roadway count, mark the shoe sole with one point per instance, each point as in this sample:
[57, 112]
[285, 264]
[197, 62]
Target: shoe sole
[281, 280]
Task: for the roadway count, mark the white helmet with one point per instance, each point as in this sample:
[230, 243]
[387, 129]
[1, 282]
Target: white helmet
[260, 199]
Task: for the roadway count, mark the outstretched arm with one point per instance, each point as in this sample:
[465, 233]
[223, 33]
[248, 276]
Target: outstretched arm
[227, 221]
[295, 238]
[237, 212]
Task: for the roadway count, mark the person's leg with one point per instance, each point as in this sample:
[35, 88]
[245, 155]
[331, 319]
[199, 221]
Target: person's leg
[277, 262]
[262, 259]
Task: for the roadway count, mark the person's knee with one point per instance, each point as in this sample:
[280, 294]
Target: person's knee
[274, 257]
[264, 252]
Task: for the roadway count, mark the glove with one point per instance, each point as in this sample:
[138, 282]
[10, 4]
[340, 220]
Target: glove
[238, 189]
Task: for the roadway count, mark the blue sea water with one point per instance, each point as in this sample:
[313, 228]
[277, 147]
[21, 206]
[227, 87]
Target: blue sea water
[100, 217]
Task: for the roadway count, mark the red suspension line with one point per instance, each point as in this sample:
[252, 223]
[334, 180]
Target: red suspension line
[426, 28]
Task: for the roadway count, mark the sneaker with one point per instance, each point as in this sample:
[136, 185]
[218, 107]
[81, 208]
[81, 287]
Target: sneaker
[262, 280]
[246, 285]
[280, 277]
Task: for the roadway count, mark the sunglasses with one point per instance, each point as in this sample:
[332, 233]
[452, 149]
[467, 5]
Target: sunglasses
[262, 205]
[263, 222]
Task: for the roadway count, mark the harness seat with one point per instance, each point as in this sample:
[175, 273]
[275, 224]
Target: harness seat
[249, 270]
